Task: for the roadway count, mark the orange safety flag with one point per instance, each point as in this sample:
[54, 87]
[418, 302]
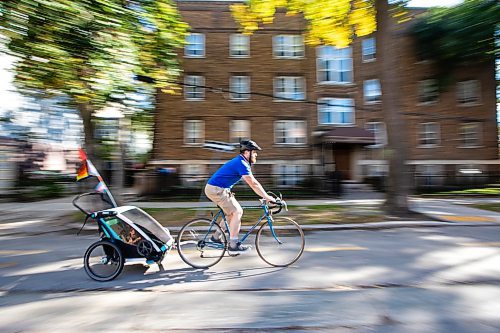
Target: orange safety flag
[83, 172]
[87, 169]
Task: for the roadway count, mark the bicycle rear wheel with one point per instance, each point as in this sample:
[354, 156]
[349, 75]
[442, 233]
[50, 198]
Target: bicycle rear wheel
[103, 261]
[195, 246]
[284, 249]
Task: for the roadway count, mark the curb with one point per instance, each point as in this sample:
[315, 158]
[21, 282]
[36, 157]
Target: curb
[73, 228]
[353, 226]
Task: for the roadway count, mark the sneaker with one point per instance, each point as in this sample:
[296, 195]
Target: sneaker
[239, 248]
[214, 239]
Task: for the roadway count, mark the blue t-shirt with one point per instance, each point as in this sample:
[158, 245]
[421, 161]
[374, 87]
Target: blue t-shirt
[230, 173]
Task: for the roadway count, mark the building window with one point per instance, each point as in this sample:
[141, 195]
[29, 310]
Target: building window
[470, 134]
[289, 88]
[429, 174]
[468, 92]
[372, 92]
[428, 91]
[239, 130]
[290, 132]
[379, 130]
[471, 174]
[194, 132]
[289, 174]
[288, 46]
[334, 65]
[195, 46]
[194, 87]
[239, 86]
[193, 175]
[429, 135]
[369, 49]
[336, 111]
[376, 170]
[239, 46]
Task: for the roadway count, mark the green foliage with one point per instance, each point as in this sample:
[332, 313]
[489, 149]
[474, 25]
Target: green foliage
[489, 191]
[457, 35]
[91, 50]
[42, 185]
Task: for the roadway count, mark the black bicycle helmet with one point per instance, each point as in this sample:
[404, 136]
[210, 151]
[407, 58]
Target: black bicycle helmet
[249, 145]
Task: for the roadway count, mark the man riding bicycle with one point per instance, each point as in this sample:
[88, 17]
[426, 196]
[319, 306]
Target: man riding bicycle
[218, 190]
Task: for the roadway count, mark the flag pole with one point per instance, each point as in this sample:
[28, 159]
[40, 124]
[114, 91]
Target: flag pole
[93, 171]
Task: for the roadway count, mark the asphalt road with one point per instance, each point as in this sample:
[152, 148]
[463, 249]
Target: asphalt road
[396, 280]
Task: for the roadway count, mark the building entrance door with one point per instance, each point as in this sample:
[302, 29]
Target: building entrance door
[342, 158]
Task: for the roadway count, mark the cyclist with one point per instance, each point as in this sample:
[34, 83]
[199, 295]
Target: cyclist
[218, 190]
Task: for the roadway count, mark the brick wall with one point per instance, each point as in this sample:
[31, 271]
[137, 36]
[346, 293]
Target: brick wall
[214, 20]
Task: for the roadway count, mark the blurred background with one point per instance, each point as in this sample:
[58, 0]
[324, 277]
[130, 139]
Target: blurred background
[42, 122]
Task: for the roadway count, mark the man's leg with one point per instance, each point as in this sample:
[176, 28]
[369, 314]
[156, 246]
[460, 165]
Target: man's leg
[234, 220]
[234, 228]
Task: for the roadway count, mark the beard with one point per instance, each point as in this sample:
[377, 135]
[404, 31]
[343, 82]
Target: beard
[253, 159]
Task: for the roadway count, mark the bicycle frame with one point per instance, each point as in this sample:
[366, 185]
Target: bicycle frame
[266, 215]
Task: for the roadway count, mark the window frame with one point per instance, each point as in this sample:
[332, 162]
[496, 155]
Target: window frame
[198, 139]
[288, 139]
[321, 105]
[422, 96]
[285, 178]
[284, 96]
[233, 45]
[381, 139]
[195, 86]
[289, 49]
[232, 137]
[188, 45]
[463, 135]
[429, 174]
[238, 95]
[423, 135]
[378, 99]
[462, 90]
[333, 65]
[192, 175]
[365, 56]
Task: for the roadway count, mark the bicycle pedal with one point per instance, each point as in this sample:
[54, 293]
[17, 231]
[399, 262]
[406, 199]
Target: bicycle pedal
[234, 254]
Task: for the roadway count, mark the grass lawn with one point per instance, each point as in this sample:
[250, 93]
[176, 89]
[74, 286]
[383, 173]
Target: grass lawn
[489, 191]
[303, 215]
[495, 207]
[320, 214]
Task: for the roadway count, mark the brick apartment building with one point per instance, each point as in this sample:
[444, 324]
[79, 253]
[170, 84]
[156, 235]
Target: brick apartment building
[314, 110]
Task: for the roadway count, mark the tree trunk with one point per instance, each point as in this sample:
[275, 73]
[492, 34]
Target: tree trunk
[398, 179]
[88, 129]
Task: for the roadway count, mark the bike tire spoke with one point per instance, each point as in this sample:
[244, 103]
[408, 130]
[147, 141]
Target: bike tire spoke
[194, 246]
[284, 246]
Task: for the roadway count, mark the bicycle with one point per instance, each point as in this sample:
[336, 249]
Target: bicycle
[279, 241]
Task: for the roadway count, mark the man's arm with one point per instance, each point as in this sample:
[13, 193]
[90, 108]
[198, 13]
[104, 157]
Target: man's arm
[257, 188]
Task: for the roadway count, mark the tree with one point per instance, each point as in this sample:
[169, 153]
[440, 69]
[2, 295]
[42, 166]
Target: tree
[454, 36]
[337, 22]
[91, 50]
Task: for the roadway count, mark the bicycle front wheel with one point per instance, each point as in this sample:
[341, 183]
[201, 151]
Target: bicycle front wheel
[282, 247]
[195, 246]
[103, 261]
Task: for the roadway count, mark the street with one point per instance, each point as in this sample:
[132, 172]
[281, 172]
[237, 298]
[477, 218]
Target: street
[388, 280]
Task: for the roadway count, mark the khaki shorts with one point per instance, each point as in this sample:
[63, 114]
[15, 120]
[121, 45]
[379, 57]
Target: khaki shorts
[223, 198]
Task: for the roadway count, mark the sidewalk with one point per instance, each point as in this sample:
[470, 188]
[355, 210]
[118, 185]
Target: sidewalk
[42, 216]
[455, 210]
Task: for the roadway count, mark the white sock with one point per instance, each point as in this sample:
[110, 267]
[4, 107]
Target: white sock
[233, 242]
